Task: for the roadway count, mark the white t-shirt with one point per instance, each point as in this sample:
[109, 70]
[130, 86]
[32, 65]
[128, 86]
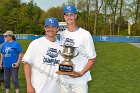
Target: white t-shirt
[81, 39]
[44, 57]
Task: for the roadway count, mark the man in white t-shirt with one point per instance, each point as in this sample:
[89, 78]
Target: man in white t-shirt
[41, 61]
[77, 37]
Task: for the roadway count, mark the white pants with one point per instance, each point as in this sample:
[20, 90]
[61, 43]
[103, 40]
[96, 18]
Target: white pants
[74, 88]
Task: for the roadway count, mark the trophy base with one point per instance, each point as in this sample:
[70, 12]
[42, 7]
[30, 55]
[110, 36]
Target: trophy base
[66, 68]
[65, 73]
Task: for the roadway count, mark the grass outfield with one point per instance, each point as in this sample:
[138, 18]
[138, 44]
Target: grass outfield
[117, 69]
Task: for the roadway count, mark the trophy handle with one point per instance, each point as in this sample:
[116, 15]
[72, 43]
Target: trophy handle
[76, 54]
[60, 53]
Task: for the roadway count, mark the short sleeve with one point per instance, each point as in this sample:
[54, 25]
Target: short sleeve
[89, 46]
[30, 53]
[19, 49]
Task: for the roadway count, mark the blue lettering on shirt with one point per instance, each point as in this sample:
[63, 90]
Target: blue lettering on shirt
[69, 42]
[50, 61]
[51, 56]
[52, 52]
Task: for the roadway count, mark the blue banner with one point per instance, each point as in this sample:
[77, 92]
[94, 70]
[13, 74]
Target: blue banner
[134, 39]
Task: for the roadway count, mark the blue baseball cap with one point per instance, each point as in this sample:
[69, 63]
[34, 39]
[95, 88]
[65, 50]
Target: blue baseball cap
[51, 21]
[70, 9]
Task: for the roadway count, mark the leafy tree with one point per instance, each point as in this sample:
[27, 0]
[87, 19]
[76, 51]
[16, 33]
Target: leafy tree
[100, 17]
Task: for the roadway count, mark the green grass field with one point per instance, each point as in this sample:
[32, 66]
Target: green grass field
[117, 69]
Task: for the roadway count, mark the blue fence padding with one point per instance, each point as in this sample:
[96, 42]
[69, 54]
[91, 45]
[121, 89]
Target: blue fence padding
[134, 39]
[27, 37]
[30, 37]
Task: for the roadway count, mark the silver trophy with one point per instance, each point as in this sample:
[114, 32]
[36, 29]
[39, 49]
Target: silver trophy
[67, 66]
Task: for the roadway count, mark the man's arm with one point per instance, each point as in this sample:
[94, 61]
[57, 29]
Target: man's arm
[88, 66]
[27, 71]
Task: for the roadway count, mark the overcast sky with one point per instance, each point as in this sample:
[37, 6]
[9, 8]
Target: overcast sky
[46, 4]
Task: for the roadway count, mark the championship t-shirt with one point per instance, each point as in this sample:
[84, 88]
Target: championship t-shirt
[82, 40]
[44, 57]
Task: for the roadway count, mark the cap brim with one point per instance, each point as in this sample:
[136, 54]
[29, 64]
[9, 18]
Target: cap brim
[7, 34]
[49, 25]
[4, 34]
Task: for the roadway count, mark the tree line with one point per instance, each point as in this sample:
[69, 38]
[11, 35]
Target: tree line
[100, 17]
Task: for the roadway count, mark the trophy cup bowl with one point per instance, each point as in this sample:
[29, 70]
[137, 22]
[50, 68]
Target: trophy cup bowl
[67, 66]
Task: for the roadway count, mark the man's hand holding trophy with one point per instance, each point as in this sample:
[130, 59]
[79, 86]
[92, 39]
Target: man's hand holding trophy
[66, 67]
